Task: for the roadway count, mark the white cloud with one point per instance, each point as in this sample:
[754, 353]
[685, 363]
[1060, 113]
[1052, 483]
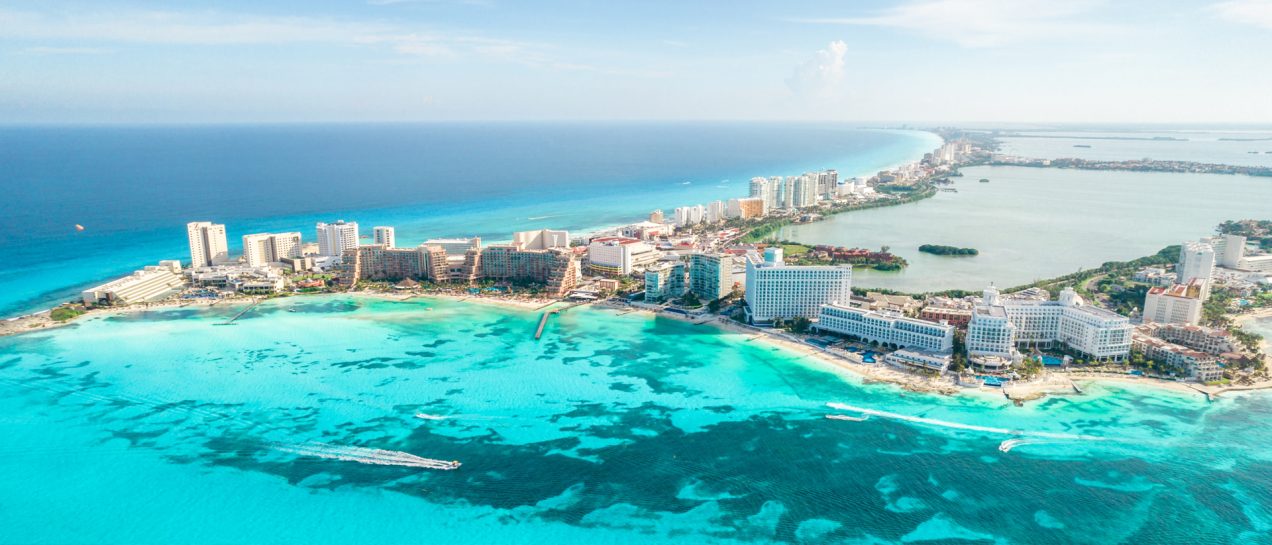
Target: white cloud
[44, 50]
[823, 76]
[982, 23]
[1250, 12]
[152, 28]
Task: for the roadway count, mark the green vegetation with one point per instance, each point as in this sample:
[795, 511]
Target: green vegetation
[938, 249]
[765, 228]
[62, 314]
[802, 254]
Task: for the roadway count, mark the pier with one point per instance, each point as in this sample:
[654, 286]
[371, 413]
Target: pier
[543, 321]
[241, 313]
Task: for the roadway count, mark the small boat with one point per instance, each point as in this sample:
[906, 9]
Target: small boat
[292, 309]
[426, 416]
[1009, 444]
[984, 180]
[79, 227]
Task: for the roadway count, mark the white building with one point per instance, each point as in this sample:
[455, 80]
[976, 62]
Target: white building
[620, 255]
[690, 215]
[151, 283]
[335, 238]
[919, 359]
[1001, 324]
[761, 189]
[1196, 260]
[261, 249]
[543, 239]
[207, 243]
[804, 191]
[775, 290]
[1176, 304]
[715, 212]
[385, 235]
[886, 327]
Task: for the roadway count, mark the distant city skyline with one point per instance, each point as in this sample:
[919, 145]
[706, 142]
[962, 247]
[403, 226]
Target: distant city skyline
[913, 61]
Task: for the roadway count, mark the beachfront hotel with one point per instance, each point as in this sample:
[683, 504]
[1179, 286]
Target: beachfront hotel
[261, 249]
[335, 238]
[886, 328]
[663, 281]
[1001, 324]
[775, 290]
[207, 243]
[151, 283]
[710, 275]
[620, 256]
[556, 268]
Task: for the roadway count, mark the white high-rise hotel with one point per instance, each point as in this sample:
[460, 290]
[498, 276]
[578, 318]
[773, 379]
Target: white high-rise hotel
[1000, 324]
[207, 243]
[261, 249]
[775, 290]
[1196, 260]
[335, 238]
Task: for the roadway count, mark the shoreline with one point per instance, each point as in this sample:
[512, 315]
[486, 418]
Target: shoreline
[842, 362]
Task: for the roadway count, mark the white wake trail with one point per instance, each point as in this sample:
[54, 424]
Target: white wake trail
[364, 455]
[960, 426]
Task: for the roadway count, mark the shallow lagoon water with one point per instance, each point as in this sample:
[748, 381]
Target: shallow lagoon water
[163, 427]
[1036, 223]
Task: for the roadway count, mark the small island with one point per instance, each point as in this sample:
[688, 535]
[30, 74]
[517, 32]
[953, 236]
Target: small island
[937, 249]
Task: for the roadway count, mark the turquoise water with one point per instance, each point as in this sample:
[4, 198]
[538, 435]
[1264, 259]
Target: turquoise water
[135, 188]
[165, 428]
[1034, 223]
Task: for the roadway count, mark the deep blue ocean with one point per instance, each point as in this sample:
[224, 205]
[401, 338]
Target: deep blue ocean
[134, 188]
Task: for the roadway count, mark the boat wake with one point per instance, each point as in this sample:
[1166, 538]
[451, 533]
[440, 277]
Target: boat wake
[536, 218]
[969, 427]
[862, 418]
[1009, 444]
[363, 455]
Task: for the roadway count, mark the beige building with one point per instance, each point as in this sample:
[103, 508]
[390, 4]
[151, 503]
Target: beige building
[207, 243]
[261, 249]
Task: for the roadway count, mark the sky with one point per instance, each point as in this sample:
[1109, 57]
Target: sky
[915, 61]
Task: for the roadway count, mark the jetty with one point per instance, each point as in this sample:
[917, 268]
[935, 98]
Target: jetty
[241, 313]
[543, 321]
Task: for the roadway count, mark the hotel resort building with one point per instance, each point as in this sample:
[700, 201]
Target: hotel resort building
[620, 256]
[261, 249]
[775, 290]
[335, 238]
[887, 328]
[710, 275]
[207, 243]
[557, 269]
[148, 284]
[1177, 303]
[1002, 324]
[664, 281]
